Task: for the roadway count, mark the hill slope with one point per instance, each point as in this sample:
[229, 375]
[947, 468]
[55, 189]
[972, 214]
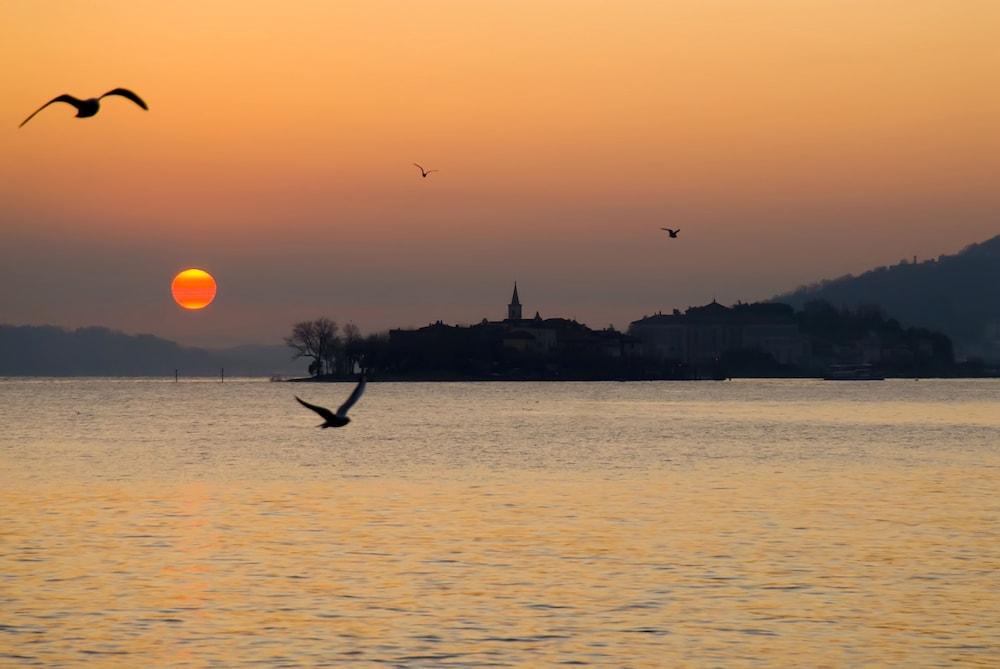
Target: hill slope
[957, 294]
[45, 350]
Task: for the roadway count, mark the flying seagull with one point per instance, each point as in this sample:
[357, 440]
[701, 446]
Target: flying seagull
[424, 172]
[90, 106]
[672, 233]
[340, 418]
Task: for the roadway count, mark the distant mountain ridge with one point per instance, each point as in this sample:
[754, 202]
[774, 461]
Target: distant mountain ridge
[45, 350]
[956, 294]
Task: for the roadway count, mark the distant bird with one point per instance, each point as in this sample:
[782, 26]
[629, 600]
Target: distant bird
[90, 106]
[672, 233]
[340, 418]
[424, 172]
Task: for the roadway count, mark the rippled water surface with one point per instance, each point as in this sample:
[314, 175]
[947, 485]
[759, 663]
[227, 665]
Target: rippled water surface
[768, 523]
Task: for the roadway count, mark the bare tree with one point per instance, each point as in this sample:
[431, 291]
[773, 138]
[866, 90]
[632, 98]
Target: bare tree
[317, 340]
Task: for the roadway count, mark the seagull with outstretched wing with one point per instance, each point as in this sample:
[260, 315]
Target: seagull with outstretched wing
[424, 172]
[672, 233]
[340, 418]
[90, 106]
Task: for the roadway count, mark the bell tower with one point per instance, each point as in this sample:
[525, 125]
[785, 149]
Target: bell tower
[514, 308]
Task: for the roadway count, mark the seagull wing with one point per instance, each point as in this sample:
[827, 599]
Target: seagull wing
[422, 170]
[62, 98]
[126, 93]
[326, 414]
[355, 396]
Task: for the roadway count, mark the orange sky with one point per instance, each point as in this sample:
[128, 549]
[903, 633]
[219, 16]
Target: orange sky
[790, 140]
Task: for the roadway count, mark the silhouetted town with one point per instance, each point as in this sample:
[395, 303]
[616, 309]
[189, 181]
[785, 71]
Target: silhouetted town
[713, 341]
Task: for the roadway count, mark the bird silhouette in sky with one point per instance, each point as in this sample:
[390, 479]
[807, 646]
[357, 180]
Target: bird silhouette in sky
[672, 233]
[340, 418]
[424, 172]
[90, 106]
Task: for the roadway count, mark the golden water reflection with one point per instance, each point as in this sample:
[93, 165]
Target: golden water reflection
[716, 565]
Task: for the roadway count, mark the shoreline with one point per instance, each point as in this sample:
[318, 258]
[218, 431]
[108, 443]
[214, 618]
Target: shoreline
[439, 378]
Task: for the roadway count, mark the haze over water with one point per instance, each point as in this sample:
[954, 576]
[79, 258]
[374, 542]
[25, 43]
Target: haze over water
[768, 523]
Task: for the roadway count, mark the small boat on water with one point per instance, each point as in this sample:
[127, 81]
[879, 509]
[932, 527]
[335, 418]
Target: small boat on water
[863, 372]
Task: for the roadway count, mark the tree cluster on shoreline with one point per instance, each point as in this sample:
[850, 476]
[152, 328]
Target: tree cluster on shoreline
[330, 349]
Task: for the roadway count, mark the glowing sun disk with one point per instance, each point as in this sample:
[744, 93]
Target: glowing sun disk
[193, 289]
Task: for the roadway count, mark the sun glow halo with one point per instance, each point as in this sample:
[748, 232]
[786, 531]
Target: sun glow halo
[193, 289]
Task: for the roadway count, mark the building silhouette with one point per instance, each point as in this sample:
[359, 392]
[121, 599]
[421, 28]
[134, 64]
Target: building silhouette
[709, 341]
[548, 347]
[704, 334]
[514, 308]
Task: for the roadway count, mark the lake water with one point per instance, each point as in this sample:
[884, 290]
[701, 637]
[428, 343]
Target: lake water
[739, 523]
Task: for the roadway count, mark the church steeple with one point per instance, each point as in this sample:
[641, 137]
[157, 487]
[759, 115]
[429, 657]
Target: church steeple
[514, 308]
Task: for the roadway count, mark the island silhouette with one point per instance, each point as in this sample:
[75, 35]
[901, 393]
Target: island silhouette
[914, 319]
[712, 341]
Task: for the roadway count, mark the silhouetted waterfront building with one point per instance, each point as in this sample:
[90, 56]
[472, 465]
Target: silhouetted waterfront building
[705, 334]
[534, 347]
[707, 342]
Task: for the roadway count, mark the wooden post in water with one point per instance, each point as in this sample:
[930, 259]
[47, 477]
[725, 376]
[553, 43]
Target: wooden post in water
[175, 376]
[222, 374]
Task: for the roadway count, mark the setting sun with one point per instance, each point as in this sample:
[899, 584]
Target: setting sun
[193, 289]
